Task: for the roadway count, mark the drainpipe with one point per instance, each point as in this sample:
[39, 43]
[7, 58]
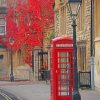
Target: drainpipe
[92, 44]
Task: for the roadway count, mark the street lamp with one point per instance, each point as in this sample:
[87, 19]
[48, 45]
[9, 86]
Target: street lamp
[11, 41]
[73, 8]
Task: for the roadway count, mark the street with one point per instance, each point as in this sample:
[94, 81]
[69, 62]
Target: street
[7, 96]
[28, 91]
[56, 40]
[38, 91]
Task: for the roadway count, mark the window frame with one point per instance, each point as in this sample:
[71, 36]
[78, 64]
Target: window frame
[3, 25]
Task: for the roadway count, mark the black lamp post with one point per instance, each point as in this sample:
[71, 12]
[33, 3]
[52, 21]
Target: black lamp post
[73, 7]
[11, 41]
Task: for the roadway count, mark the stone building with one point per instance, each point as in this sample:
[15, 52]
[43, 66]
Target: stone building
[19, 66]
[63, 27]
[88, 34]
[21, 69]
[97, 43]
[3, 51]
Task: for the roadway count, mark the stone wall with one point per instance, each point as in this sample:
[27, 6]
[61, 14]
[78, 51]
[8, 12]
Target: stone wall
[97, 44]
[83, 19]
[87, 29]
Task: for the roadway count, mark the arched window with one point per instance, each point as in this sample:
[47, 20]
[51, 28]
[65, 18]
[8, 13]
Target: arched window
[19, 57]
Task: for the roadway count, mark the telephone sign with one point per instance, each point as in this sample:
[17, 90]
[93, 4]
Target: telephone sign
[62, 69]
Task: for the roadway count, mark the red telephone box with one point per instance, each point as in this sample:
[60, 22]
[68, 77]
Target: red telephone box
[61, 69]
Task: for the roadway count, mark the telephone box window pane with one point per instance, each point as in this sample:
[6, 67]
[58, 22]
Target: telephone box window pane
[64, 59]
[63, 71]
[59, 93]
[65, 90]
[64, 77]
[63, 93]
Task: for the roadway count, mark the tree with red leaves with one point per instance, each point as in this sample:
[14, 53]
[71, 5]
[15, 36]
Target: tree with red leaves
[26, 23]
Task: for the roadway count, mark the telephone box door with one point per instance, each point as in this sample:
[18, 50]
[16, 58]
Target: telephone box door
[64, 74]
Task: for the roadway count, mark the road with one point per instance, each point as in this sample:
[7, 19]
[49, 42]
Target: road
[27, 90]
[7, 96]
[40, 91]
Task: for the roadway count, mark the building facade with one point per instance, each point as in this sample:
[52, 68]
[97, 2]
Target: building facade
[19, 66]
[88, 34]
[63, 27]
[97, 43]
[3, 51]
[21, 69]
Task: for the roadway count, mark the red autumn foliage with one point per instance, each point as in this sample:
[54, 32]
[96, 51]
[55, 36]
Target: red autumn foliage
[26, 22]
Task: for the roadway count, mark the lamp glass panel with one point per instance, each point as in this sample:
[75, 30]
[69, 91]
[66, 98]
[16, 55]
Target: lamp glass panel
[74, 8]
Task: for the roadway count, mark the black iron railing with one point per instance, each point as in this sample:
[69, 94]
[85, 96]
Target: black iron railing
[84, 79]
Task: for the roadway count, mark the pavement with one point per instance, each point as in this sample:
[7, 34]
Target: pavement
[30, 90]
[89, 95]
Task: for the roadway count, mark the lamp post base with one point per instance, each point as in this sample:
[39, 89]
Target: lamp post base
[11, 78]
[76, 95]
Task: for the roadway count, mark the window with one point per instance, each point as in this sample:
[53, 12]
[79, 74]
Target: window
[2, 29]
[82, 57]
[19, 57]
[80, 19]
[63, 20]
[2, 2]
[97, 18]
[1, 57]
[2, 26]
